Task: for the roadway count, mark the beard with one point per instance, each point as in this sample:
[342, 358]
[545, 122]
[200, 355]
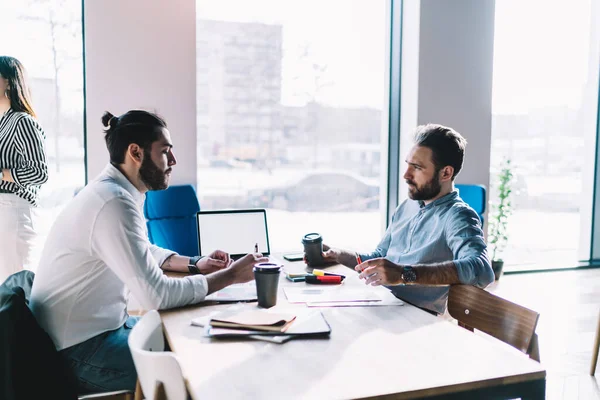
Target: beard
[427, 191]
[152, 176]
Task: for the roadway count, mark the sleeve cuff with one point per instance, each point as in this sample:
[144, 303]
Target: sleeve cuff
[200, 285]
[161, 255]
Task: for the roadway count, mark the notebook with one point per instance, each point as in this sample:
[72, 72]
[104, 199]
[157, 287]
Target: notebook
[308, 322]
[234, 231]
[255, 320]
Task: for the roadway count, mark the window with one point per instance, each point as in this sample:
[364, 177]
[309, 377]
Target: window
[294, 122]
[545, 98]
[45, 35]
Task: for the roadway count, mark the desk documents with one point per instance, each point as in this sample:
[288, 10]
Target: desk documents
[329, 295]
[255, 320]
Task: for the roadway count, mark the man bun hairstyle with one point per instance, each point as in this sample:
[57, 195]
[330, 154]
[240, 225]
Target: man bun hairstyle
[447, 145]
[135, 126]
[107, 119]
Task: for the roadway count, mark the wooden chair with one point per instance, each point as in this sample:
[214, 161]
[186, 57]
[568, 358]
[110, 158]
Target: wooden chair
[159, 373]
[513, 324]
[596, 348]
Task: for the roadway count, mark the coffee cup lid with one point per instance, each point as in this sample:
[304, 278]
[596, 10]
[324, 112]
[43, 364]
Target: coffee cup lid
[311, 237]
[267, 267]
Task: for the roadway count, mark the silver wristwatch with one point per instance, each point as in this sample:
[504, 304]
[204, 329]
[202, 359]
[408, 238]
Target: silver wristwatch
[409, 275]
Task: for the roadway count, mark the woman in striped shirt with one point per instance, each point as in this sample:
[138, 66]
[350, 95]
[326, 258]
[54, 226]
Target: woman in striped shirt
[23, 168]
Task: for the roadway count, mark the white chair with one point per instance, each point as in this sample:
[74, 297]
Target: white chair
[159, 373]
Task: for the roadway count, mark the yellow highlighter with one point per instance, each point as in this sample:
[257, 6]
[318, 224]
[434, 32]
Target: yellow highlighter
[320, 272]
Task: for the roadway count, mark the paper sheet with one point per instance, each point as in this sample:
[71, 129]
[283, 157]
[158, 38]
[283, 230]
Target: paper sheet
[329, 295]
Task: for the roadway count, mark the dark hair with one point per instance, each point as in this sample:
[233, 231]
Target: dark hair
[12, 70]
[447, 145]
[135, 126]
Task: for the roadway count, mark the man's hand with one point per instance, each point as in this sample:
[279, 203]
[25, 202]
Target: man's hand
[242, 268]
[329, 255]
[215, 261]
[380, 271]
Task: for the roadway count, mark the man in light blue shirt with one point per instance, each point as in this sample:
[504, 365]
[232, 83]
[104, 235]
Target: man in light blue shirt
[435, 238]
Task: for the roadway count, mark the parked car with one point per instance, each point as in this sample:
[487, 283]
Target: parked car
[320, 191]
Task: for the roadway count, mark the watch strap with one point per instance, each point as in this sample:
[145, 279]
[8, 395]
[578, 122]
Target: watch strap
[192, 267]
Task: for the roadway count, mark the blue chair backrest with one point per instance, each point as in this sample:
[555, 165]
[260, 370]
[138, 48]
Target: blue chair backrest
[474, 196]
[171, 219]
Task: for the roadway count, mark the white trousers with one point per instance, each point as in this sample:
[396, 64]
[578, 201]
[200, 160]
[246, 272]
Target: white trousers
[17, 234]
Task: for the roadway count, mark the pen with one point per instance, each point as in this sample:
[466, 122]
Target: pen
[256, 248]
[359, 261]
[323, 279]
[320, 272]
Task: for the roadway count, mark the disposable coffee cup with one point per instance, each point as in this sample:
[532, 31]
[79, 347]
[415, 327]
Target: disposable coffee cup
[267, 282]
[313, 249]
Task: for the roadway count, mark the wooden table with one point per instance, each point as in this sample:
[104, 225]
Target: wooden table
[382, 352]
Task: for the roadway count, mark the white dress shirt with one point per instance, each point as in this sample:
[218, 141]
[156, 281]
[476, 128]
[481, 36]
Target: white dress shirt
[96, 253]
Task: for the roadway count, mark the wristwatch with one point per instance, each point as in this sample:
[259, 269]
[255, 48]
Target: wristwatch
[192, 265]
[409, 275]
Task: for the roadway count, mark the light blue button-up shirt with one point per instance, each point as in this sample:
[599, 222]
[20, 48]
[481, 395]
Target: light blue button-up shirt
[447, 229]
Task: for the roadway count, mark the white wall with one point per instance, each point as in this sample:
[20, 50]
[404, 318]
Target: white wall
[142, 54]
[448, 60]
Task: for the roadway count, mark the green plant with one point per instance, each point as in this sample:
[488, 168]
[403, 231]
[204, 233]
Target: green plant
[501, 210]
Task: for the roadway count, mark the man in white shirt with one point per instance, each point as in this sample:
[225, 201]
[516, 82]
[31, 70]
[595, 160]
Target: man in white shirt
[97, 252]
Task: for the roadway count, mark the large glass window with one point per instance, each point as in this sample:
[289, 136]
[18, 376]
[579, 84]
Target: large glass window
[289, 102]
[45, 35]
[545, 97]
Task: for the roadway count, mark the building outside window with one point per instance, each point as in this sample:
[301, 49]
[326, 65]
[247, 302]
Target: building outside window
[289, 103]
[545, 99]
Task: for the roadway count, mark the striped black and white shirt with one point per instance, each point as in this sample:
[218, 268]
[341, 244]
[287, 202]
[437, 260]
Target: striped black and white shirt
[22, 151]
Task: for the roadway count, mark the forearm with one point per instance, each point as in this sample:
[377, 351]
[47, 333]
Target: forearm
[176, 263]
[444, 273]
[220, 279]
[346, 258]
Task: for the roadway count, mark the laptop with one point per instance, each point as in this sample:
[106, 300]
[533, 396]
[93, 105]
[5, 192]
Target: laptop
[234, 231]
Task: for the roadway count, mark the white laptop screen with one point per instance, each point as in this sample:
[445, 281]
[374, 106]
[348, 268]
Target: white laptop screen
[233, 231]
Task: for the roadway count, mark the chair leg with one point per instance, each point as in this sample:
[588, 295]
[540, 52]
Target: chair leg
[595, 350]
[534, 348]
[138, 391]
[159, 392]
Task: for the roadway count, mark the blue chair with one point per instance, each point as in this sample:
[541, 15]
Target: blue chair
[474, 196]
[171, 219]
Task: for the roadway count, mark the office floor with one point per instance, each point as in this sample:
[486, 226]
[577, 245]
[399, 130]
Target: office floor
[568, 303]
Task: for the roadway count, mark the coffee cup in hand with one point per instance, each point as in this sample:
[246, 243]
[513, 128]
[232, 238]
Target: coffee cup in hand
[313, 249]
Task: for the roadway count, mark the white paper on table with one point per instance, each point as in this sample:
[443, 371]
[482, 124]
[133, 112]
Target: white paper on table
[329, 295]
[396, 302]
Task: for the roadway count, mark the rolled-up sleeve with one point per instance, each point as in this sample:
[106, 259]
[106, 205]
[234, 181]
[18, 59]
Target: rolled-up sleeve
[119, 240]
[33, 166]
[160, 254]
[465, 239]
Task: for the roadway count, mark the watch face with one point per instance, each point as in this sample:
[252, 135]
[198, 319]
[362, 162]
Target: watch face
[409, 275]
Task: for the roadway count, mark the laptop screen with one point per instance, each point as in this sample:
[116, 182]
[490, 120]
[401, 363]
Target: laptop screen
[233, 231]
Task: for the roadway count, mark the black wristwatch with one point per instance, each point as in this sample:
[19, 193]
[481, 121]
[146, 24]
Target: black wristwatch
[409, 275]
[194, 270]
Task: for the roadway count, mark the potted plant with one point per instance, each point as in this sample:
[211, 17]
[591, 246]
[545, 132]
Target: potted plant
[501, 211]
